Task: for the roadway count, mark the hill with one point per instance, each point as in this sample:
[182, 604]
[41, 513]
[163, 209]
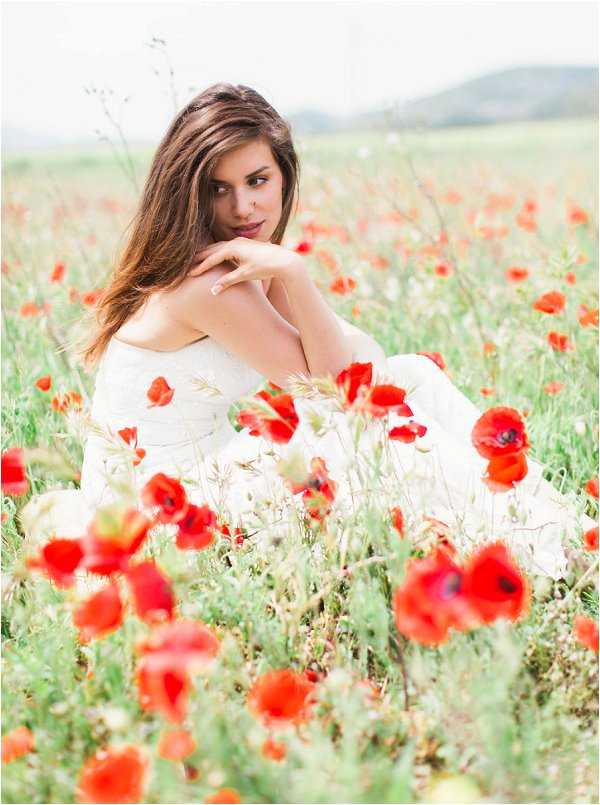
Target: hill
[516, 95]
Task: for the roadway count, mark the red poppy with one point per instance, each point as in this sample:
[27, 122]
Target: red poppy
[14, 474]
[436, 357]
[44, 383]
[304, 247]
[384, 399]
[398, 519]
[58, 272]
[91, 298]
[59, 403]
[379, 262]
[552, 302]
[587, 317]
[239, 533]
[353, 378]
[452, 197]
[576, 215]
[590, 539]
[274, 750]
[489, 348]
[282, 697]
[407, 433]
[319, 490]
[342, 285]
[327, 259]
[277, 422]
[159, 393]
[526, 221]
[195, 530]
[571, 278]
[591, 487]
[130, 437]
[503, 472]
[153, 597]
[100, 614]
[553, 387]
[559, 342]
[112, 538]
[586, 631]
[62, 403]
[176, 745]
[443, 269]
[16, 743]
[224, 796]
[498, 432]
[169, 655]
[58, 559]
[516, 274]
[163, 686]
[114, 774]
[168, 494]
[30, 309]
[432, 599]
[495, 585]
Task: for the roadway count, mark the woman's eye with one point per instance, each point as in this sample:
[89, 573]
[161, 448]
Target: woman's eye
[218, 188]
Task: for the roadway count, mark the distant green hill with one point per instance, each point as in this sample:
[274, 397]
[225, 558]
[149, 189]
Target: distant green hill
[519, 94]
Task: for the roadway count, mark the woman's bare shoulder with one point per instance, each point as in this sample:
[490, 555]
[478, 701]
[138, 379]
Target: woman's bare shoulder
[243, 321]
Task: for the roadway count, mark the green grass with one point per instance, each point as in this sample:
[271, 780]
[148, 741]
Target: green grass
[509, 710]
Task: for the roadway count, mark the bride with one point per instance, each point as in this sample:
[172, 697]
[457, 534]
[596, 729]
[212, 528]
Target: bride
[205, 306]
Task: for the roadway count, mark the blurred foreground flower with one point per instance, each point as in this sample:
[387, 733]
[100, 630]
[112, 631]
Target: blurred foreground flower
[586, 631]
[114, 774]
[176, 745]
[273, 417]
[437, 594]
[16, 743]
[169, 656]
[282, 697]
[14, 476]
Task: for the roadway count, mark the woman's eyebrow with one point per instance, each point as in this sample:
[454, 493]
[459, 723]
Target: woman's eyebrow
[258, 170]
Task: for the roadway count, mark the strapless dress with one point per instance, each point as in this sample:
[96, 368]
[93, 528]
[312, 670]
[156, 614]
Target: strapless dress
[193, 438]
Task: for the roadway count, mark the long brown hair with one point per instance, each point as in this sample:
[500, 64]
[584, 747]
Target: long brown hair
[175, 213]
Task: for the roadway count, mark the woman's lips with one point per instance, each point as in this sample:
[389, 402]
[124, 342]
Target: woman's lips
[249, 233]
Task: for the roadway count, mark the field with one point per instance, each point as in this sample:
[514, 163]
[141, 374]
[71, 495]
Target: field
[431, 227]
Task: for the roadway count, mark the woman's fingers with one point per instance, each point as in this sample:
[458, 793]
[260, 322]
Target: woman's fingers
[212, 259]
[239, 275]
[206, 250]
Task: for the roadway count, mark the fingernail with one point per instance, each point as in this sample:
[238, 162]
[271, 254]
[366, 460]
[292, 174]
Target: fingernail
[215, 289]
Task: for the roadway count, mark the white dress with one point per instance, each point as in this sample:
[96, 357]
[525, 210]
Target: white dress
[192, 438]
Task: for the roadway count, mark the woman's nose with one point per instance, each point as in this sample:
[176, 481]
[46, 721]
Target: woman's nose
[242, 204]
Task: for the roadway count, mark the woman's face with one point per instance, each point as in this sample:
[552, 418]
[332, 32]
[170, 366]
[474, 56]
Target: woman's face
[247, 188]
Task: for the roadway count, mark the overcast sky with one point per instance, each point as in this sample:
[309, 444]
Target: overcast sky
[339, 57]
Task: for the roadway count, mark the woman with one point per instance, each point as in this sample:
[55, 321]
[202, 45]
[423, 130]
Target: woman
[206, 302]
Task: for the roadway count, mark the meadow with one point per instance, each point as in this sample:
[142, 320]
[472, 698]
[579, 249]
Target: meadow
[438, 242]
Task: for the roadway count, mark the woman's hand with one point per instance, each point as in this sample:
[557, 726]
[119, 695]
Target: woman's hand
[254, 260]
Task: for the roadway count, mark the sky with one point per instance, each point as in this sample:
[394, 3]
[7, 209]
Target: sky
[338, 57]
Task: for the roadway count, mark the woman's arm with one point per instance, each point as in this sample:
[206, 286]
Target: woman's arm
[364, 347]
[277, 296]
[325, 346]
